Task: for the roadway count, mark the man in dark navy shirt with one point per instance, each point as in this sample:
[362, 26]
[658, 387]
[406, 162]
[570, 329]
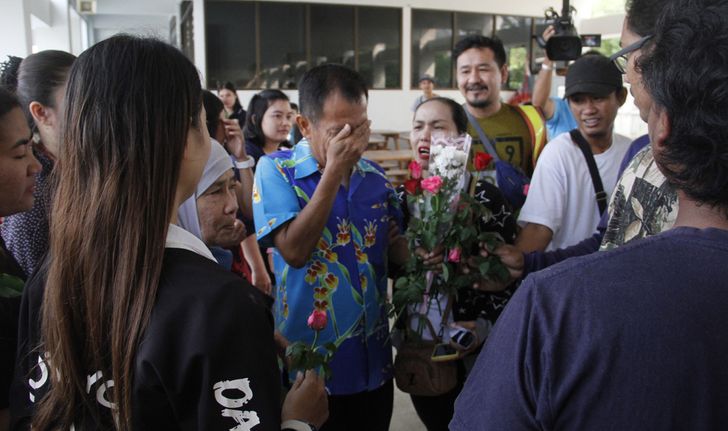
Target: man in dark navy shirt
[634, 338]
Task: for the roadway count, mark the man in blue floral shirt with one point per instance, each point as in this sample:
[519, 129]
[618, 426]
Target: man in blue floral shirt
[328, 214]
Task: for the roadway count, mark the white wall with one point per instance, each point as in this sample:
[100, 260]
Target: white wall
[15, 30]
[56, 32]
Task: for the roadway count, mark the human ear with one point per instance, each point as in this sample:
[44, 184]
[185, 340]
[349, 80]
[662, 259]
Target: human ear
[621, 96]
[504, 73]
[40, 113]
[660, 127]
[304, 125]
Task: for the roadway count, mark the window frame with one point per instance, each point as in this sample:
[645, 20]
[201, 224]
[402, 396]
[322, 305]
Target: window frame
[307, 36]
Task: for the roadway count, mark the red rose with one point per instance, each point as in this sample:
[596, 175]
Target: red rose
[432, 184]
[415, 170]
[317, 320]
[481, 161]
[454, 255]
[412, 186]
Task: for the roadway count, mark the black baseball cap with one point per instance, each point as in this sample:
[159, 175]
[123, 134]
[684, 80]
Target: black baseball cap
[592, 74]
[426, 78]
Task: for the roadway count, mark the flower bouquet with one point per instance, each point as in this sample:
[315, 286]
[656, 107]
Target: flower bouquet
[444, 213]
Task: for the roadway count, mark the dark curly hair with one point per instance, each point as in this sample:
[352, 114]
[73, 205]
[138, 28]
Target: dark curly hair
[686, 71]
[9, 73]
[480, 41]
[642, 15]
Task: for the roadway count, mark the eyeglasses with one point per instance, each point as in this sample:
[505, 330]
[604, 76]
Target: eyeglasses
[621, 58]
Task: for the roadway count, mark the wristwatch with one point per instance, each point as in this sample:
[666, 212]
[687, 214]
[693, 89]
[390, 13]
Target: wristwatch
[296, 425]
[247, 164]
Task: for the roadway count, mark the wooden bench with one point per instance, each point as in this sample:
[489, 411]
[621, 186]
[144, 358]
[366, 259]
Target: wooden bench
[394, 163]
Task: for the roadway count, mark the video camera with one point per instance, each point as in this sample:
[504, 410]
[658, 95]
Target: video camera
[565, 44]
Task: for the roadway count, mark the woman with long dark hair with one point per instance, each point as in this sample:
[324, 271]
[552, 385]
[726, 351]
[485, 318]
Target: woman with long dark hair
[140, 328]
[233, 109]
[41, 84]
[18, 168]
[268, 123]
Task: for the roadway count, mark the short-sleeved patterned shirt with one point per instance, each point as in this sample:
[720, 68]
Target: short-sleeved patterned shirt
[346, 275]
[643, 203]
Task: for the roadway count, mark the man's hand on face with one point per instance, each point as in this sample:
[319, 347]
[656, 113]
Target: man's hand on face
[345, 149]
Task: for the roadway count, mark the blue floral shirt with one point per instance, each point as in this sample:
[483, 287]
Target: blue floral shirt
[346, 276]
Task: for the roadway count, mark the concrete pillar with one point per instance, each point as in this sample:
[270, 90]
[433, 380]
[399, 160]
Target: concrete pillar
[407, 47]
[198, 23]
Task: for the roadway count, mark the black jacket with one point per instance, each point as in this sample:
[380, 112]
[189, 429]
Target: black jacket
[206, 360]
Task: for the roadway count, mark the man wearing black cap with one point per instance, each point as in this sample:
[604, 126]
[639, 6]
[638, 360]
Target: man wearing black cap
[427, 84]
[562, 208]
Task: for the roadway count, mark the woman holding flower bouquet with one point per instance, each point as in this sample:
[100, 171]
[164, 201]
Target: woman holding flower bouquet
[424, 199]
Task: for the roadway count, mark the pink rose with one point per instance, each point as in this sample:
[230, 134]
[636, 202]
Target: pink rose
[432, 184]
[415, 170]
[317, 320]
[454, 255]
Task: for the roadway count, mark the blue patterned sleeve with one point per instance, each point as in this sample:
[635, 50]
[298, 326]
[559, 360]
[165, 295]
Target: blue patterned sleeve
[274, 198]
[395, 206]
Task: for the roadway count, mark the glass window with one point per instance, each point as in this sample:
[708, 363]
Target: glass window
[379, 46]
[230, 34]
[332, 35]
[432, 46]
[472, 23]
[282, 45]
[515, 32]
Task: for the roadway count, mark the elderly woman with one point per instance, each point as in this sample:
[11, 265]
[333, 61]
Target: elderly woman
[210, 213]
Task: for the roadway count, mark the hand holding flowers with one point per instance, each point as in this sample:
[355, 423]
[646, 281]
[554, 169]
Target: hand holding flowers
[444, 215]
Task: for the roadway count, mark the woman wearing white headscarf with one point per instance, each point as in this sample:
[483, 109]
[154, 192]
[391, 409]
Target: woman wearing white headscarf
[210, 213]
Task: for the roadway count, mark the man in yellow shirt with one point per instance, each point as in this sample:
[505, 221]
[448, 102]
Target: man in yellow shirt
[517, 132]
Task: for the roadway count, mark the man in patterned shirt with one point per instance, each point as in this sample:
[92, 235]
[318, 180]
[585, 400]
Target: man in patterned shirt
[328, 214]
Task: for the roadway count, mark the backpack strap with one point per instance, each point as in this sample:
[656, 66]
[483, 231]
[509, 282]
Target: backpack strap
[583, 145]
[481, 134]
[536, 123]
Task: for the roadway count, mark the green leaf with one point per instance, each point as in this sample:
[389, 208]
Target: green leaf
[327, 235]
[301, 194]
[358, 239]
[484, 268]
[401, 282]
[10, 286]
[445, 271]
[357, 297]
[344, 271]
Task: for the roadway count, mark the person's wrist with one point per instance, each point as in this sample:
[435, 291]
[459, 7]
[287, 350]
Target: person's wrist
[547, 66]
[245, 162]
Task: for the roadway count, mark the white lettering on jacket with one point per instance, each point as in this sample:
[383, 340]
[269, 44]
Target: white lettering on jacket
[246, 420]
[35, 384]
